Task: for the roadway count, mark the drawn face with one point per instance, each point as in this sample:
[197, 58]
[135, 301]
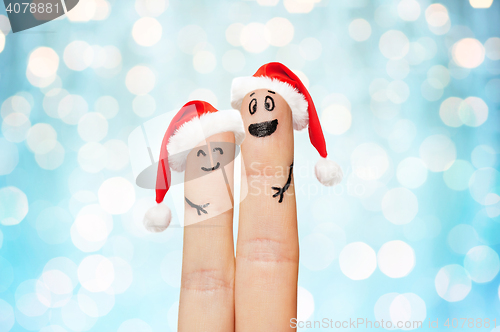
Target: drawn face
[210, 155]
[262, 104]
[203, 153]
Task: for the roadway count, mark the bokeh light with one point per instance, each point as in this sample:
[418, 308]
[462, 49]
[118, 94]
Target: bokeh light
[358, 261]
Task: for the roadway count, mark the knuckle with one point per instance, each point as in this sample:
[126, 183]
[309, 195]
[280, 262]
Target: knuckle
[206, 280]
[266, 250]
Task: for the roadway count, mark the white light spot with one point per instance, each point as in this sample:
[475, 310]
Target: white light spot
[482, 263]
[54, 289]
[147, 31]
[43, 62]
[233, 33]
[410, 309]
[396, 259]
[468, 53]
[398, 92]
[118, 154]
[13, 206]
[255, 37]
[140, 80]
[360, 30]
[399, 206]
[438, 152]
[96, 273]
[481, 3]
[436, 15]
[358, 261]
[151, 8]
[305, 304]
[123, 275]
[448, 112]
[7, 318]
[412, 172]
[482, 183]
[204, 62]
[394, 44]
[473, 111]
[78, 55]
[369, 161]
[492, 47]
[336, 119]
[92, 127]
[42, 138]
[71, 108]
[15, 127]
[52, 159]
[107, 106]
[116, 195]
[409, 10]
[92, 157]
[453, 283]
[281, 31]
[299, 6]
[95, 304]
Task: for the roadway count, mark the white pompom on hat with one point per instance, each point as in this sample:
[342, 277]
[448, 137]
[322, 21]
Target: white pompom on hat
[196, 121]
[278, 78]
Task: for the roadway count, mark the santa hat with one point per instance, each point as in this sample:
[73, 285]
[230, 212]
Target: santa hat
[196, 121]
[278, 78]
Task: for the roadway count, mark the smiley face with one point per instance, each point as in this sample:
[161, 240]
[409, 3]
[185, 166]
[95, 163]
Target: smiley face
[262, 101]
[201, 153]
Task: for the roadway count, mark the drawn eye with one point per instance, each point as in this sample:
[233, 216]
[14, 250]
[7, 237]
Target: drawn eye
[269, 103]
[201, 152]
[253, 106]
[218, 149]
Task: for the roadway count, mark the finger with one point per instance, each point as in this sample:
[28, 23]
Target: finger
[267, 251]
[207, 286]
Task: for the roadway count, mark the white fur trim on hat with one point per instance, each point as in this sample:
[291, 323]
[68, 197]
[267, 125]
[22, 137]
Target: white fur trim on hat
[197, 130]
[157, 218]
[328, 172]
[243, 85]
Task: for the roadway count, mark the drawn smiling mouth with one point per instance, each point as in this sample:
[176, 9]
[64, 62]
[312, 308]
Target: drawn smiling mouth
[263, 129]
[211, 169]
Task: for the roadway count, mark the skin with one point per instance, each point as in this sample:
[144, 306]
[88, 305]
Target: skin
[267, 254]
[207, 287]
[257, 290]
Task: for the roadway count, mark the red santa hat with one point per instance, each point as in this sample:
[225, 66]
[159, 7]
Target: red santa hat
[278, 78]
[196, 121]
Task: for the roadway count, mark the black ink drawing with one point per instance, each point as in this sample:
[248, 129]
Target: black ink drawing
[199, 208]
[281, 191]
[210, 169]
[262, 129]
